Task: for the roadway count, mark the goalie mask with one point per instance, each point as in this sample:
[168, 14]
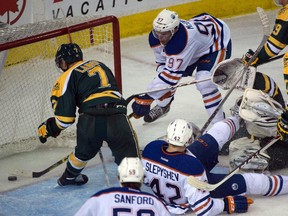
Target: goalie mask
[165, 21]
[180, 133]
[70, 53]
[131, 170]
[260, 112]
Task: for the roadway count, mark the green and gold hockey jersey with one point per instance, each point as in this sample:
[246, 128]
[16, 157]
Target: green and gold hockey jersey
[278, 39]
[83, 85]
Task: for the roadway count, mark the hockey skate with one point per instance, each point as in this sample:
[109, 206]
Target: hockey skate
[156, 113]
[235, 113]
[68, 179]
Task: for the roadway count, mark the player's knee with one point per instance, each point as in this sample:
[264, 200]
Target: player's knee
[256, 183]
[224, 130]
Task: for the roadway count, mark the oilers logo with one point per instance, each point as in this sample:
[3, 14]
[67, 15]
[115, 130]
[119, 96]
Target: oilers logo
[235, 186]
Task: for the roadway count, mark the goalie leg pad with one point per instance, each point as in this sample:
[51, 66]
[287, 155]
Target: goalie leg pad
[241, 149]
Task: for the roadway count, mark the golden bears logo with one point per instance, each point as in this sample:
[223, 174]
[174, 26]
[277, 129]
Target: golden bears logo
[56, 87]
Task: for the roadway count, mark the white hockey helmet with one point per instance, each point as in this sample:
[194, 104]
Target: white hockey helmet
[179, 132]
[166, 20]
[277, 2]
[131, 170]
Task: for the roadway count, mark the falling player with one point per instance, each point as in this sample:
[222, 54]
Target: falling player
[180, 47]
[169, 163]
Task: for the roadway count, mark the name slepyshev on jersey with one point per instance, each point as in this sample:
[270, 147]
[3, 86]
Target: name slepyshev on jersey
[155, 169]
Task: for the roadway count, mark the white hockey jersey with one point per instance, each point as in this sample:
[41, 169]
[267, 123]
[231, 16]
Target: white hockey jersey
[201, 35]
[166, 174]
[117, 200]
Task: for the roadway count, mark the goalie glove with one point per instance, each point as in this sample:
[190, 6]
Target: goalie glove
[141, 106]
[47, 129]
[282, 126]
[248, 55]
[237, 204]
[227, 72]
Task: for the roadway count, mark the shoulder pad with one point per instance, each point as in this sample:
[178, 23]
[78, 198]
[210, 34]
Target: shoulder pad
[189, 161]
[153, 146]
[178, 42]
[283, 14]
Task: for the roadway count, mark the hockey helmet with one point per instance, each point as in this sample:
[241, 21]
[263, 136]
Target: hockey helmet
[166, 20]
[131, 170]
[70, 53]
[179, 132]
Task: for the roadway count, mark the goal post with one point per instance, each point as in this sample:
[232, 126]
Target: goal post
[29, 72]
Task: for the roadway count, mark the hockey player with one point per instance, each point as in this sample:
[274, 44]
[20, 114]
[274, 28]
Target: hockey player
[90, 86]
[127, 199]
[263, 125]
[168, 164]
[282, 126]
[276, 42]
[180, 47]
[260, 112]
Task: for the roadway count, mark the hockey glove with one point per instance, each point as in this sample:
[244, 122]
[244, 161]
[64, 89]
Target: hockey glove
[47, 129]
[246, 58]
[282, 126]
[141, 105]
[237, 204]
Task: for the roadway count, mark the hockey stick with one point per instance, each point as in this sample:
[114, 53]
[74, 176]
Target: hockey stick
[48, 169]
[104, 168]
[193, 181]
[190, 82]
[266, 30]
[166, 88]
[275, 115]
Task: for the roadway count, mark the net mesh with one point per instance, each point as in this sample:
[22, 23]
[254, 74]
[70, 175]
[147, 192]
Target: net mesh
[29, 72]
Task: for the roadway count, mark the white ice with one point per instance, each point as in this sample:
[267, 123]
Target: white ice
[41, 196]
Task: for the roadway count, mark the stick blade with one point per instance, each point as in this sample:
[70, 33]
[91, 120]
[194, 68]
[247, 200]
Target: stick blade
[194, 182]
[264, 19]
[37, 174]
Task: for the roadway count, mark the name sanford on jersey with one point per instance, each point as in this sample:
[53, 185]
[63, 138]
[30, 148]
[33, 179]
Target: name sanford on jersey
[168, 174]
[120, 198]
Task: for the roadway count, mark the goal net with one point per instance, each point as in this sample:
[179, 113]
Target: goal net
[28, 73]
